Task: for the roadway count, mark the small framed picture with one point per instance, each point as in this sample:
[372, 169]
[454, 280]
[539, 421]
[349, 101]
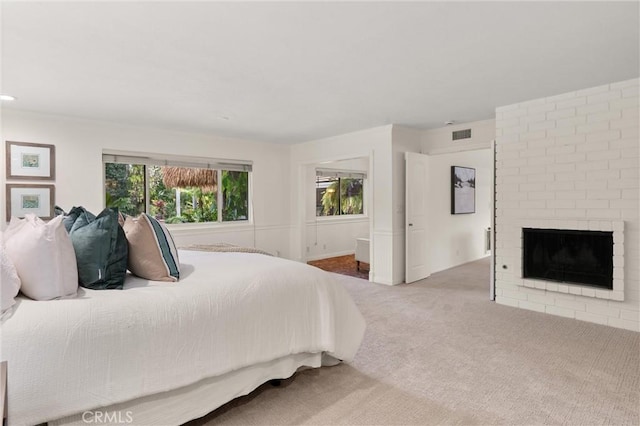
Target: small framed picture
[36, 199]
[31, 161]
[463, 190]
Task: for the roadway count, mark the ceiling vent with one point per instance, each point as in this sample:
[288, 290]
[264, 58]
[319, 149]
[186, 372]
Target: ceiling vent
[461, 134]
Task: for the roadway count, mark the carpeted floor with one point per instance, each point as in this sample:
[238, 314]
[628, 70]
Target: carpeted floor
[439, 352]
[343, 265]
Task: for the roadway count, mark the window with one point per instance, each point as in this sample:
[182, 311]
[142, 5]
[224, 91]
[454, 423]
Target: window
[177, 192]
[339, 193]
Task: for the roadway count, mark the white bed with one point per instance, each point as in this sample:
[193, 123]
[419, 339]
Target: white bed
[166, 353]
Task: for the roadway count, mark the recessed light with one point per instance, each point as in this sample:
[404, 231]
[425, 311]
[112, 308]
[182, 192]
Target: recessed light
[449, 122]
[223, 117]
[4, 97]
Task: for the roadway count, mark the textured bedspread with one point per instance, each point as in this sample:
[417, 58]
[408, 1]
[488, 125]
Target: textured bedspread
[228, 311]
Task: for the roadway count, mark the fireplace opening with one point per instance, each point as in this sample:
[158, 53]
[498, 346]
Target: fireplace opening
[571, 256]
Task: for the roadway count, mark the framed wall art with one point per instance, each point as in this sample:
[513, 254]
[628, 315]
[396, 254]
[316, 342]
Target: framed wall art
[27, 198]
[32, 161]
[463, 190]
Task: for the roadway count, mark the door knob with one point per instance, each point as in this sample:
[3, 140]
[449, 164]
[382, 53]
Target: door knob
[411, 224]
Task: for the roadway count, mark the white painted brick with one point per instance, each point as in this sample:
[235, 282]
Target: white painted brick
[541, 108]
[530, 170]
[572, 139]
[540, 178]
[501, 109]
[561, 186]
[624, 123]
[571, 176]
[532, 118]
[561, 113]
[617, 295]
[592, 204]
[561, 97]
[624, 183]
[608, 135]
[571, 213]
[507, 155]
[570, 103]
[513, 130]
[574, 305]
[632, 82]
[518, 112]
[627, 325]
[630, 152]
[593, 146]
[514, 294]
[590, 166]
[630, 92]
[571, 158]
[603, 155]
[630, 173]
[561, 204]
[593, 108]
[542, 125]
[532, 187]
[603, 294]
[623, 103]
[511, 122]
[540, 195]
[631, 194]
[604, 116]
[606, 174]
[593, 90]
[506, 301]
[589, 317]
[602, 309]
[538, 307]
[629, 132]
[588, 292]
[631, 113]
[538, 161]
[562, 149]
[608, 194]
[562, 312]
[571, 195]
[624, 143]
[605, 96]
[561, 131]
[533, 135]
[571, 121]
[563, 288]
[604, 214]
[503, 140]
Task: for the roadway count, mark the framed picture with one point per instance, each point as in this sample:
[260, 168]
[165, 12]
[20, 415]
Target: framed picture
[463, 190]
[36, 199]
[31, 161]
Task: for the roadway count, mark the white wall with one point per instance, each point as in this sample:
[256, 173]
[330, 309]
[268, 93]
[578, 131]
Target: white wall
[79, 176]
[336, 235]
[372, 143]
[460, 238]
[437, 141]
[571, 161]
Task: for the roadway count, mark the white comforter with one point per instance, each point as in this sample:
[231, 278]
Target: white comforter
[228, 311]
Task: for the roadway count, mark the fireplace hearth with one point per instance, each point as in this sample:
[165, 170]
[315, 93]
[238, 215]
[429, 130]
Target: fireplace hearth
[569, 256]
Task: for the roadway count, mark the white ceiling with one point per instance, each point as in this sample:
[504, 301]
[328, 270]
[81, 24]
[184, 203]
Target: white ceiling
[290, 72]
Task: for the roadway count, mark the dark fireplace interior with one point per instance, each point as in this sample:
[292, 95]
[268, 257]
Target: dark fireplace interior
[579, 257]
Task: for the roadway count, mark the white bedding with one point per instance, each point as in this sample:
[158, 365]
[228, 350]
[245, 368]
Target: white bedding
[228, 311]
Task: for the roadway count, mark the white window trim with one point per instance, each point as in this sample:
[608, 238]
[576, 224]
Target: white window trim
[219, 165]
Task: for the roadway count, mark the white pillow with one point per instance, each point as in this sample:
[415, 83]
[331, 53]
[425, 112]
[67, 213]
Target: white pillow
[9, 279]
[43, 256]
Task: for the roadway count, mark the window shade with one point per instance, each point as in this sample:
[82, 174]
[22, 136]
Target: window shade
[351, 174]
[201, 163]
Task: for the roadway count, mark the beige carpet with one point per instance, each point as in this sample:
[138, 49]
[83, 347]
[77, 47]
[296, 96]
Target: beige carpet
[438, 352]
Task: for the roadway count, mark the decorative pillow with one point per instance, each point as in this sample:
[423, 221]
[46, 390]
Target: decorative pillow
[9, 279]
[101, 248]
[152, 252]
[43, 256]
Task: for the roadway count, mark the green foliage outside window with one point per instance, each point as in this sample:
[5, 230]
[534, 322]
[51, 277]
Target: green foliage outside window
[341, 196]
[125, 188]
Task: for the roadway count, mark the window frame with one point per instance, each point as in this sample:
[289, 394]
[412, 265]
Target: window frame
[219, 165]
[348, 174]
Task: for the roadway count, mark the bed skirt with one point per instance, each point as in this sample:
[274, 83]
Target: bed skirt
[194, 401]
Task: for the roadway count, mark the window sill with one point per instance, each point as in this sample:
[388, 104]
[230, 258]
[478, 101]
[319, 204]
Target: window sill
[340, 218]
[179, 228]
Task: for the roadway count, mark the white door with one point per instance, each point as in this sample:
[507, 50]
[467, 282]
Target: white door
[416, 223]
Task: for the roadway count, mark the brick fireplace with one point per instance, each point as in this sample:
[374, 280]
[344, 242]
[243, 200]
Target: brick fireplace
[571, 162]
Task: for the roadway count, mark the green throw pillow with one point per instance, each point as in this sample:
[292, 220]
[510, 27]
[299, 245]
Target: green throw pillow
[101, 248]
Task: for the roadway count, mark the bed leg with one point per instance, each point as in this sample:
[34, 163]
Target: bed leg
[275, 382]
